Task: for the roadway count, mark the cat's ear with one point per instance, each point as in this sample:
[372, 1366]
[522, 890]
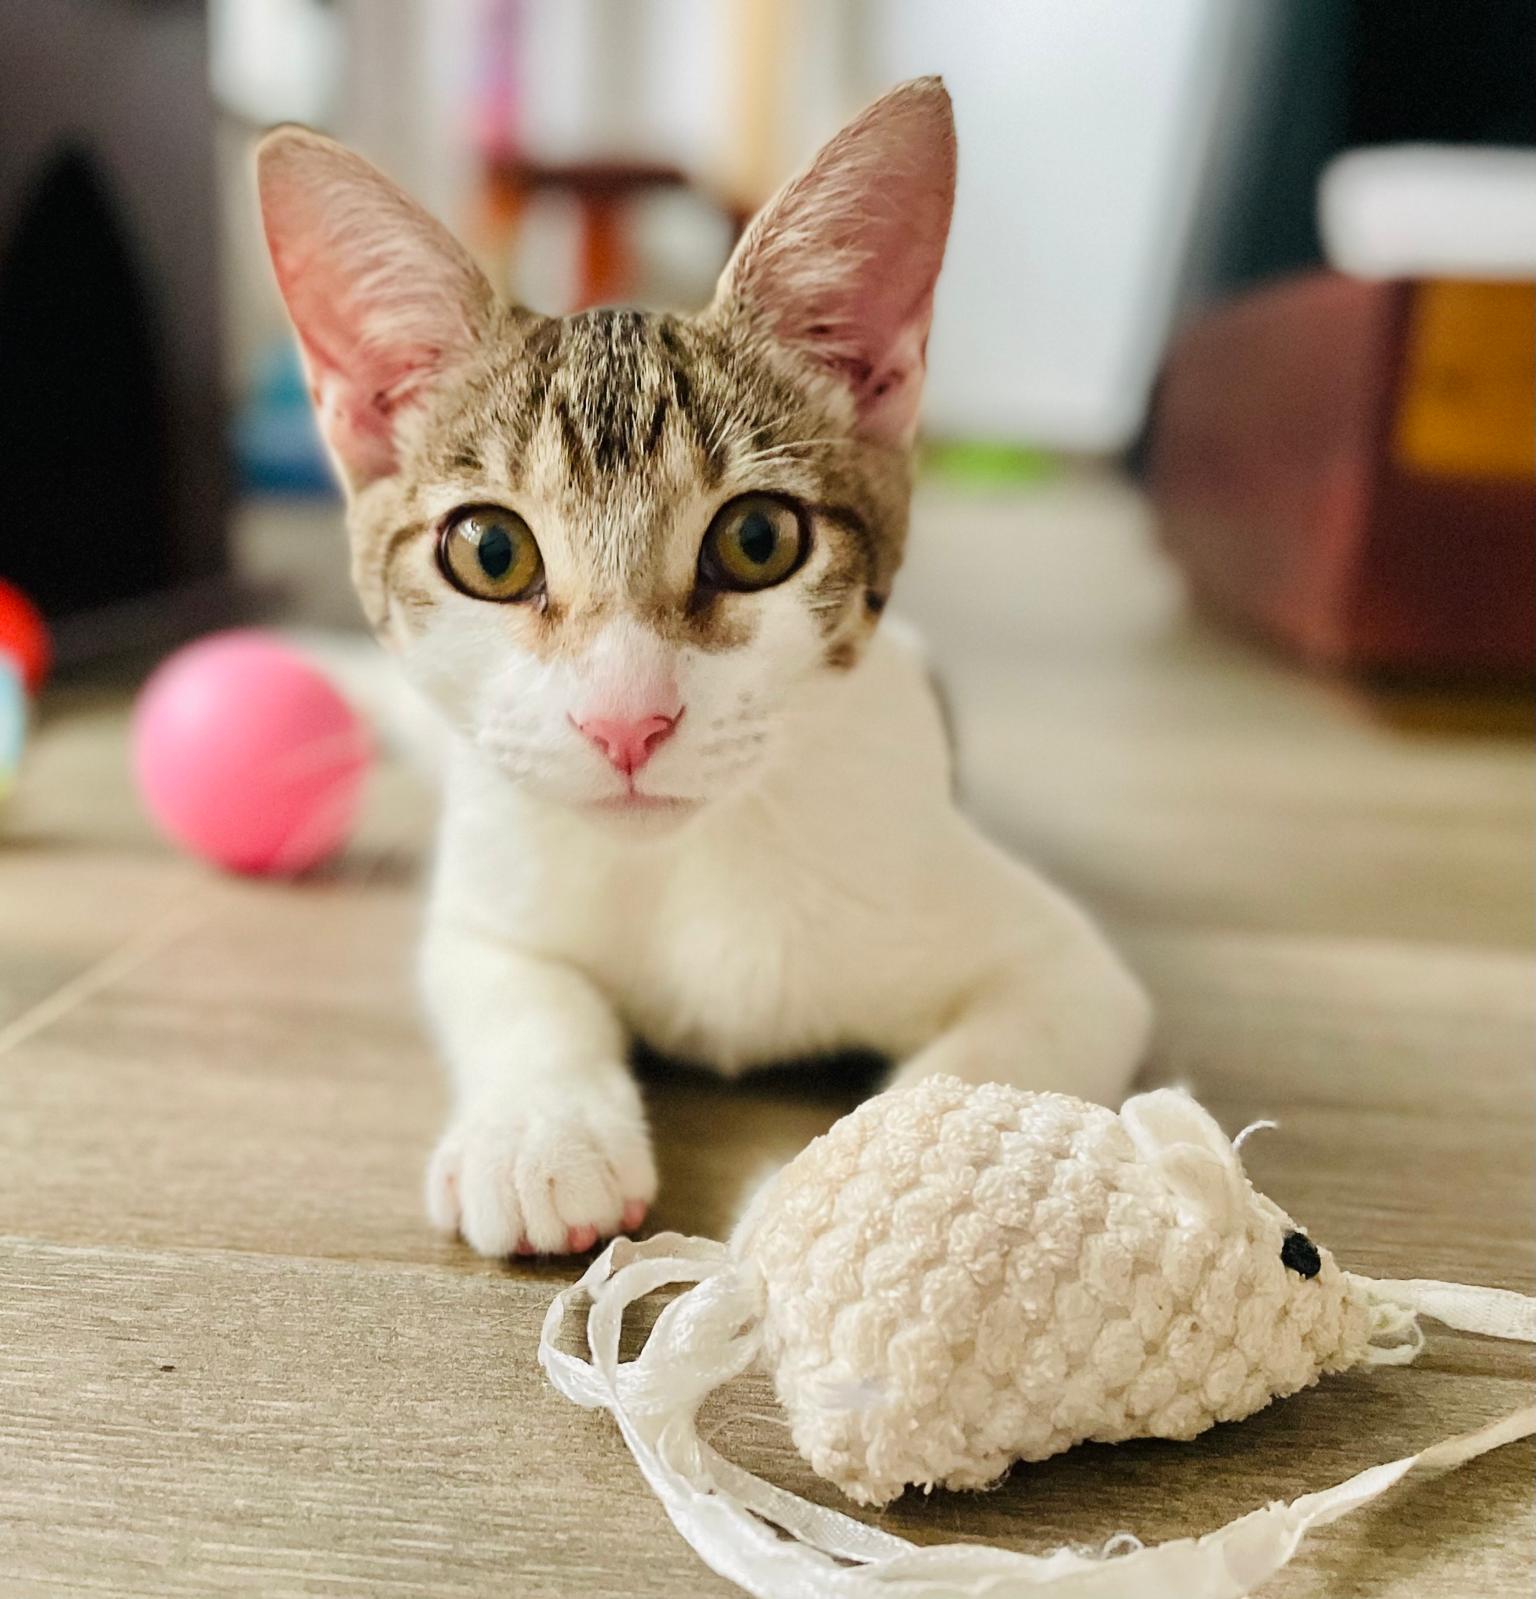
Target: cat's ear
[841, 264]
[384, 299]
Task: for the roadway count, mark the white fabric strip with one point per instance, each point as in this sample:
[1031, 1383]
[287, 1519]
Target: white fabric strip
[777, 1546]
[1493, 1312]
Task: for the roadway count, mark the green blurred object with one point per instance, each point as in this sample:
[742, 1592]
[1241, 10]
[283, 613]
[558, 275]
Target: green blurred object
[986, 465]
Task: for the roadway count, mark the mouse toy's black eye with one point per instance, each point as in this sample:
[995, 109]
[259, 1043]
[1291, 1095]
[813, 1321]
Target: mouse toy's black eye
[1299, 1254]
[491, 555]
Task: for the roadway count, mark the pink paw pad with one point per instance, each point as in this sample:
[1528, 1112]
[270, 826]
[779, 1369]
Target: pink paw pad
[578, 1240]
[634, 1214]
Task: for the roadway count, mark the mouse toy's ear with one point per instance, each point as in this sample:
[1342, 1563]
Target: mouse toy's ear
[840, 265]
[1185, 1143]
[384, 299]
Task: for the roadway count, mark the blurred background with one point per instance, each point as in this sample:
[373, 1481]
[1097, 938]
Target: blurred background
[1276, 256]
[1234, 342]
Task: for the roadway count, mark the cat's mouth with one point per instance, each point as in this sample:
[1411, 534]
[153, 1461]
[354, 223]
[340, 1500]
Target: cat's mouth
[635, 801]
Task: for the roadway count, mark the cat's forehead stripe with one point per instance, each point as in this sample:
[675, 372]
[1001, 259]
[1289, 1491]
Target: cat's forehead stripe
[578, 458]
[611, 383]
[617, 375]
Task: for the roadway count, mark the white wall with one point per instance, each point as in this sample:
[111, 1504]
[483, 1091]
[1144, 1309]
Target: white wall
[1084, 134]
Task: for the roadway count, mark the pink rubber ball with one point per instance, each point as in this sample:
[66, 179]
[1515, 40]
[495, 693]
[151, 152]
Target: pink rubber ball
[247, 756]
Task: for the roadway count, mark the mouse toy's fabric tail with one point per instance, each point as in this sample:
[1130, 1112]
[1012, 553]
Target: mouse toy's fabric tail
[778, 1546]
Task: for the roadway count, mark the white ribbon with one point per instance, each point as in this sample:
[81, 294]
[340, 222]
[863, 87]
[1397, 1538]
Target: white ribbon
[1493, 1312]
[778, 1546]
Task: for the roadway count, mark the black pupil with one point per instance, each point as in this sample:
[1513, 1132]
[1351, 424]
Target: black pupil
[1300, 1255]
[757, 538]
[495, 551]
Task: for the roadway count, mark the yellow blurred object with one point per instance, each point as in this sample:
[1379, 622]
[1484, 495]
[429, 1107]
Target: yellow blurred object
[1468, 390]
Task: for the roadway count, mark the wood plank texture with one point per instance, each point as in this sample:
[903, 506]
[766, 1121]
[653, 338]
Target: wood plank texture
[233, 1359]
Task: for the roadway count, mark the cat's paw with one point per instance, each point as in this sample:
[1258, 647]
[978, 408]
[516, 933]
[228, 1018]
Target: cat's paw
[542, 1180]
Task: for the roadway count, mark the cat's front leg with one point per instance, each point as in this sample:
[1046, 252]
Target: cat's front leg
[1068, 1018]
[547, 1149]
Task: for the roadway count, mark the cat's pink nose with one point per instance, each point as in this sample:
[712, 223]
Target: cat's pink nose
[629, 742]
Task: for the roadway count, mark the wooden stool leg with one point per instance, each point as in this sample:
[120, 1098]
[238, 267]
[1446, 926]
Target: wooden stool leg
[606, 268]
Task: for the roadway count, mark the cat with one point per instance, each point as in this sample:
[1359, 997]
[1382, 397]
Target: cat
[699, 793]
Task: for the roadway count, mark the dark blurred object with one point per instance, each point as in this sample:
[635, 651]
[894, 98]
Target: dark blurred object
[1333, 75]
[1447, 74]
[1349, 467]
[112, 455]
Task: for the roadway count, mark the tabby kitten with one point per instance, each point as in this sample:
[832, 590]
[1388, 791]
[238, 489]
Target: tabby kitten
[699, 792]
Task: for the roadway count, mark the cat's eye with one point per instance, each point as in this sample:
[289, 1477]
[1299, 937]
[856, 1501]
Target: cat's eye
[753, 543]
[491, 554]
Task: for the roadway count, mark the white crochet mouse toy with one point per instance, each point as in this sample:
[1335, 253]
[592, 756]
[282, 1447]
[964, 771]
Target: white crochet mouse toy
[955, 1278]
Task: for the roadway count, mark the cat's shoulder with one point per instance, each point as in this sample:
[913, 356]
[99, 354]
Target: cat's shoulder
[902, 668]
[903, 642]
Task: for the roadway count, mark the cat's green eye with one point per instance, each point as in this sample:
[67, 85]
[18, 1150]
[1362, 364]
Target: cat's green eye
[491, 554]
[753, 543]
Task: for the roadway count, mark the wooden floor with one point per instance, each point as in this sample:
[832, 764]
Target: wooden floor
[234, 1359]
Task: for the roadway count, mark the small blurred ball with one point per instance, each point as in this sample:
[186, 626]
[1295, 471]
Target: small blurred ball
[24, 637]
[13, 723]
[247, 756]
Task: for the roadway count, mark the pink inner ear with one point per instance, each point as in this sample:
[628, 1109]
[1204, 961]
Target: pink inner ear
[380, 294]
[359, 376]
[843, 262]
[888, 392]
[356, 400]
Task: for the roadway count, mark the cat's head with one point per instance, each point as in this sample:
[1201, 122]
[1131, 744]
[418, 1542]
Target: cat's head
[622, 550]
